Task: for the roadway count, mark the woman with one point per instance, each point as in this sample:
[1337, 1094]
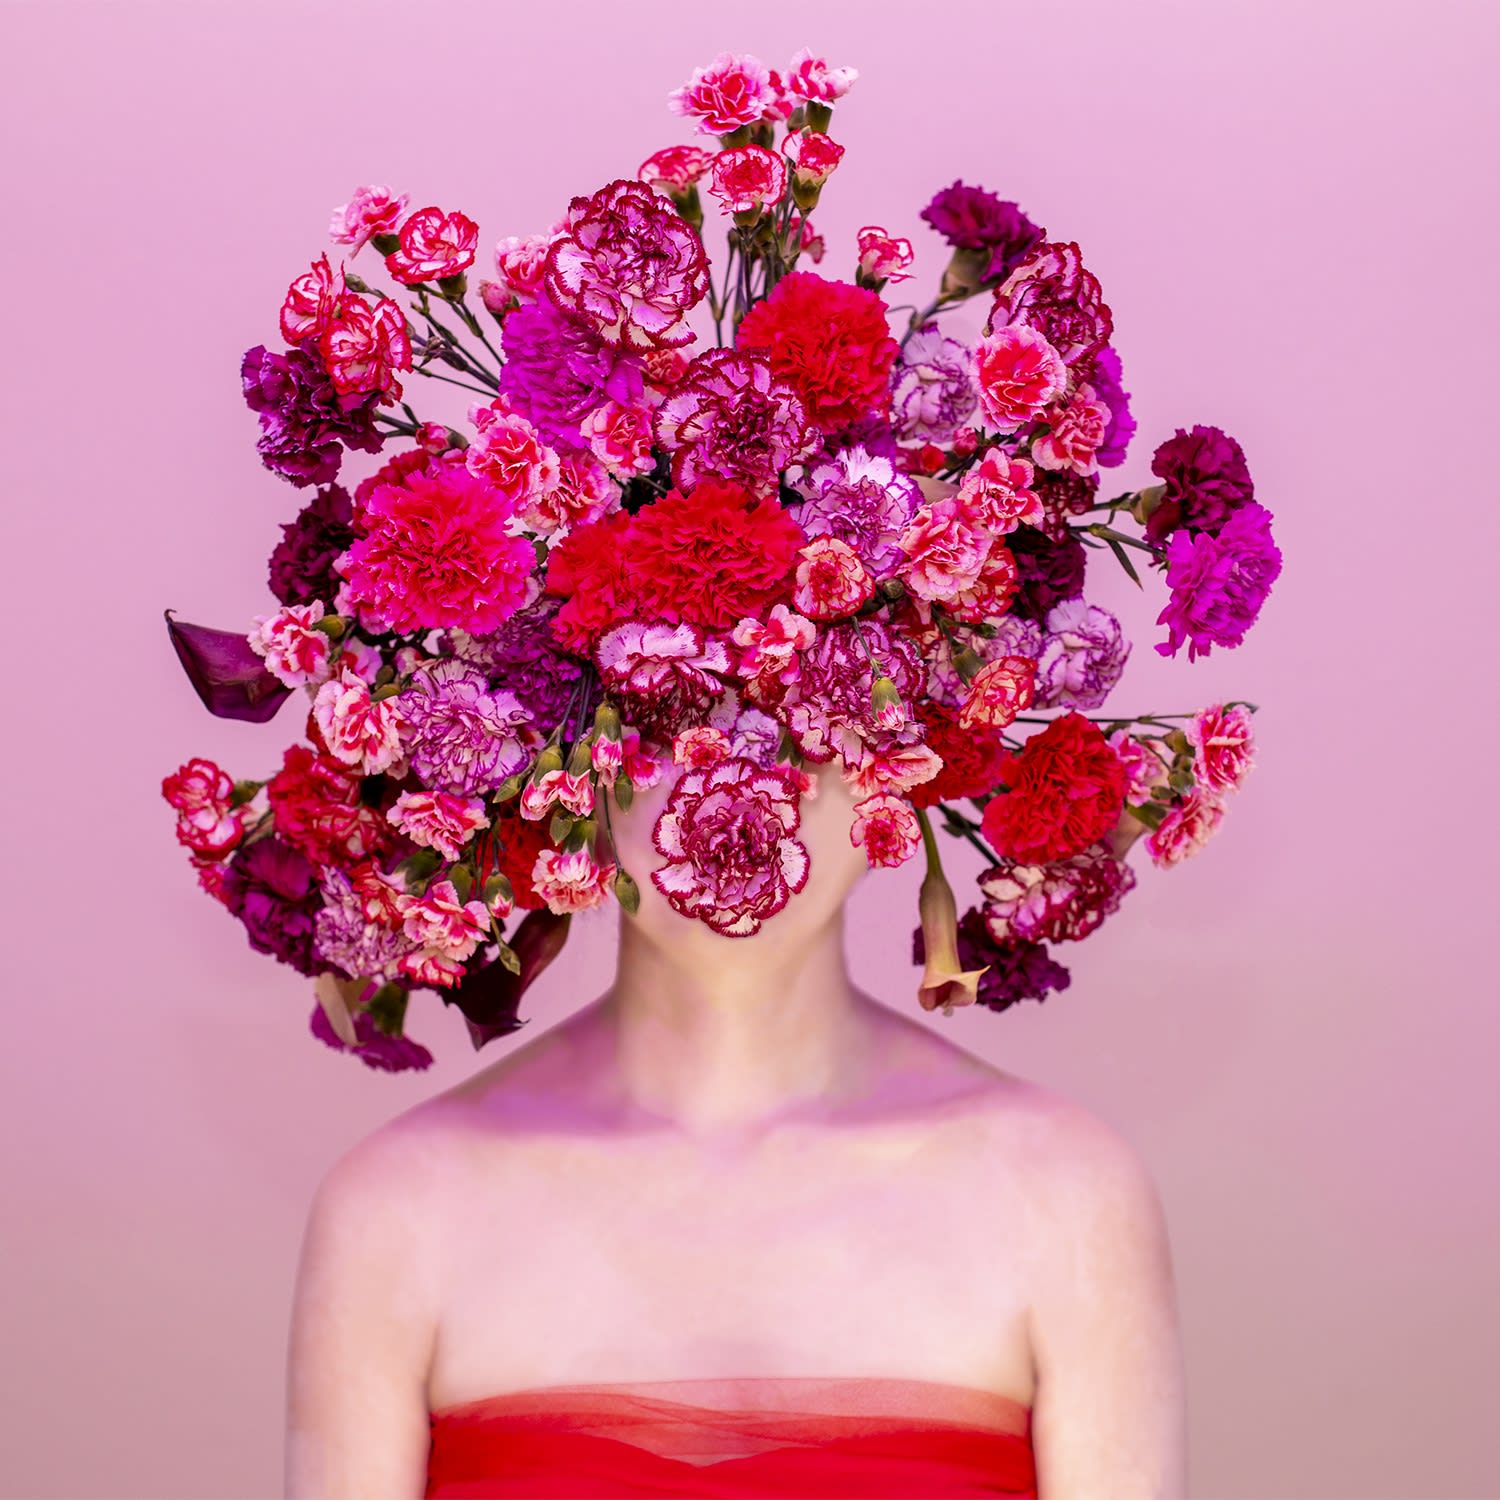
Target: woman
[732, 1173]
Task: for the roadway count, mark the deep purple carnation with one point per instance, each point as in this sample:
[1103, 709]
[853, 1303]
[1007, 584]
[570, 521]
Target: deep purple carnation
[1053, 903]
[1053, 292]
[970, 218]
[1050, 571]
[1064, 495]
[1017, 971]
[305, 423]
[1218, 583]
[273, 890]
[557, 371]
[1207, 480]
[391, 1054]
[301, 567]
[1105, 379]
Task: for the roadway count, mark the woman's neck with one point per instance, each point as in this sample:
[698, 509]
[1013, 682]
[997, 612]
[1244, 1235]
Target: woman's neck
[733, 1036]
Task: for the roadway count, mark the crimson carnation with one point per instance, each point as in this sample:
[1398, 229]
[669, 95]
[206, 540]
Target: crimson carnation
[438, 555]
[830, 342]
[319, 811]
[713, 556]
[588, 569]
[971, 758]
[1067, 791]
[509, 847]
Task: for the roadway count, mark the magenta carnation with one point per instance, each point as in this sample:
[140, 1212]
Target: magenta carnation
[1218, 583]
[437, 554]
[727, 834]
[628, 267]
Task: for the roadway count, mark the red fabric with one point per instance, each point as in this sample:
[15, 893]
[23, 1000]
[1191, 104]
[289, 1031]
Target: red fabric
[759, 1437]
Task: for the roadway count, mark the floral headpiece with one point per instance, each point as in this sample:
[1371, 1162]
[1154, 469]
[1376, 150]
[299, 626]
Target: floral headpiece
[717, 516]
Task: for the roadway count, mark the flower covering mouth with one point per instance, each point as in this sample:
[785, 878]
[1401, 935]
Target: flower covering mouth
[726, 515]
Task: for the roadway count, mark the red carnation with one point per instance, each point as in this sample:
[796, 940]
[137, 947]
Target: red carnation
[588, 569]
[509, 847]
[971, 758]
[1067, 791]
[713, 556]
[830, 342]
[319, 812]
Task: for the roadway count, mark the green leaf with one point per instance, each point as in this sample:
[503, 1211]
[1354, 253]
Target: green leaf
[1125, 561]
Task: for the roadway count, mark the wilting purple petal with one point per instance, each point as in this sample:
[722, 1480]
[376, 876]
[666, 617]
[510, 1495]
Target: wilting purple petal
[226, 674]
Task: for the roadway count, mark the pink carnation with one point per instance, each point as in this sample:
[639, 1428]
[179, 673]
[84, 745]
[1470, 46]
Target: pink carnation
[732, 859]
[571, 882]
[620, 438]
[989, 596]
[519, 266]
[702, 745]
[443, 924]
[1185, 829]
[583, 493]
[814, 155]
[945, 553]
[995, 496]
[1075, 431]
[998, 692]
[1224, 743]
[882, 257]
[434, 245]
[1143, 769]
[313, 302]
[666, 675]
[358, 730]
[674, 169]
[832, 579]
[730, 93]
[439, 820]
[768, 663]
[809, 77]
[886, 828]
[200, 791]
[372, 210]
[293, 651]
[1019, 375]
[365, 347]
[746, 178]
[509, 452]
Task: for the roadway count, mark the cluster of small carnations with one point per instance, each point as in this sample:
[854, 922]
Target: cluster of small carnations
[810, 540]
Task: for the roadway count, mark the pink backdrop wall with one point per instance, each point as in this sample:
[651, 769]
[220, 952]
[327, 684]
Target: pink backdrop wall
[1291, 207]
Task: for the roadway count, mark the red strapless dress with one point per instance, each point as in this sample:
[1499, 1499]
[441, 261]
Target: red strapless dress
[757, 1437]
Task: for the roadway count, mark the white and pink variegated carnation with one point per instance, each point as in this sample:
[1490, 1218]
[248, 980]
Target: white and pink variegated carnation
[570, 882]
[314, 302]
[1144, 770]
[373, 209]
[360, 656]
[886, 828]
[674, 169]
[733, 91]
[999, 691]
[809, 77]
[574, 792]
[294, 652]
[813, 155]
[201, 791]
[1224, 747]
[1184, 831]
[701, 745]
[439, 820]
[1019, 375]
[584, 492]
[1053, 903]
[728, 837]
[883, 257]
[746, 178]
[359, 730]
[803, 239]
[520, 264]
[628, 267]
[945, 553]
[832, 579]
[1075, 430]
[666, 676]
[896, 770]
[768, 661]
[509, 452]
[996, 494]
[989, 597]
[444, 925]
[620, 438]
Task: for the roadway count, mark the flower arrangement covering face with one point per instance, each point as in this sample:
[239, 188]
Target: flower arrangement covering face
[718, 521]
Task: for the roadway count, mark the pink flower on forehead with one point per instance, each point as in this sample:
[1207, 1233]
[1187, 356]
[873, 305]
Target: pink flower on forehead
[886, 828]
[667, 675]
[628, 267]
[994, 494]
[998, 692]
[1224, 744]
[293, 651]
[814, 155]
[809, 77]
[313, 301]
[433, 245]
[731, 92]
[439, 820]
[675, 168]
[1074, 432]
[1019, 374]
[358, 730]
[571, 882]
[883, 257]
[746, 178]
[372, 210]
[832, 579]
[365, 347]
[509, 452]
[732, 859]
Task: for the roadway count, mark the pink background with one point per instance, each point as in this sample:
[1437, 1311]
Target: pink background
[1292, 211]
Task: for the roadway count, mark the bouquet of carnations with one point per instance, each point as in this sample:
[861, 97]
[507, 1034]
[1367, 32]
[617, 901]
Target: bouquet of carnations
[731, 517]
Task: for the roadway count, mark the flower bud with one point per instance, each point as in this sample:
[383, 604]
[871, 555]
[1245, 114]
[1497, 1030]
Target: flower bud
[453, 287]
[560, 827]
[580, 757]
[968, 663]
[965, 273]
[463, 882]
[819, 115]
[886, 707]
[624, 790]
[507, 788]
[607, 721]
[384, 691]
[549, 758]
[333, 626]
[1147, 501]
[386, 244]
[627, 892]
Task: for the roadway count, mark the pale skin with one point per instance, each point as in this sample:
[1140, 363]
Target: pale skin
[736, 1162]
